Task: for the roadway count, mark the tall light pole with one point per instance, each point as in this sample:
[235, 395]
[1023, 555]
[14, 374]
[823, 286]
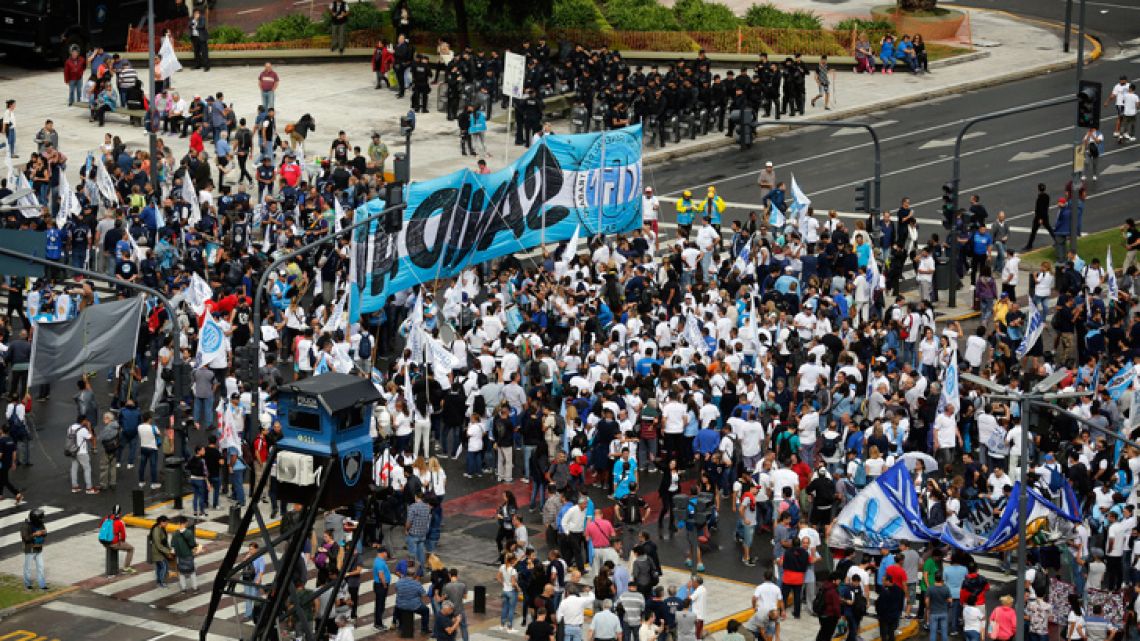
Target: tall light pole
[1077, 208]
[1027, 401]
[153, 85]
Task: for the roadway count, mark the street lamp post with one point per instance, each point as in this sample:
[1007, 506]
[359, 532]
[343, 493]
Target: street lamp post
[1028, 401]
[259, 293]
[1077, 208]
[153, 135]
[957, 180]
[176, 358]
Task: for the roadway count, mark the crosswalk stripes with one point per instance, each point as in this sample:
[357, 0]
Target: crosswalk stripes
[142, 589]
[60, 524]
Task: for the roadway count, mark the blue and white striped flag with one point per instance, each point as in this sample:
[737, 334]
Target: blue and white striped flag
[1122, 382]
[950, 386]
[1034, 326]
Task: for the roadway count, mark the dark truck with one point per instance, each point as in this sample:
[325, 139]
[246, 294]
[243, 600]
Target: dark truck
[48, 29]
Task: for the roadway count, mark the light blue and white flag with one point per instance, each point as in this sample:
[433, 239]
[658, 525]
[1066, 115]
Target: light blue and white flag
[1034, 327]
[1113, 288]
[211, 339]
[950, 386]
[799, 206]
[1122, 382]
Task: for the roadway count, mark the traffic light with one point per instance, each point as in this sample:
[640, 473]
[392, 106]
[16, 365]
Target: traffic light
[394, 217]
[863, 196]
[245, 363]
[182, 380]
[1088, 104]
[949, 205]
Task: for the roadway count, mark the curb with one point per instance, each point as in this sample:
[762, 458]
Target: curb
[719, 142]
[142, 522]
[40, 600]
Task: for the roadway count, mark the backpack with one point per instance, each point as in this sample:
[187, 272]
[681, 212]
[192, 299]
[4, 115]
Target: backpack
[973, 587]
[107, 531]
[71, 447]
[818, 603]
[17, 428]
[1056, 478]
[246, 454]
[859, 605]
[860, 478]
[364, 349]
[110, 437]
[829, 447]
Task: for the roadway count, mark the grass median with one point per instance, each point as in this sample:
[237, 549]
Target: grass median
[1089, 246]
[13, 592]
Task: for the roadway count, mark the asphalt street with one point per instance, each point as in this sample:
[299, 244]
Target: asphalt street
[1112, 20]
[1002, 160]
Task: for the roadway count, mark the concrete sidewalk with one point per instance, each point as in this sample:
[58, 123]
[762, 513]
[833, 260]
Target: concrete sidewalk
[342, 97]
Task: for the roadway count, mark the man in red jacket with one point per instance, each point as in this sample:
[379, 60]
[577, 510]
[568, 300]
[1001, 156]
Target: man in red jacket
[73, 69]
[832, 608]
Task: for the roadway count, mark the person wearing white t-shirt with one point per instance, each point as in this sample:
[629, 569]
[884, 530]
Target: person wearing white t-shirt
[81, 435]
[1116, 96]
[925, 275]
[650, 209]
[947, 436]
[1128, 126]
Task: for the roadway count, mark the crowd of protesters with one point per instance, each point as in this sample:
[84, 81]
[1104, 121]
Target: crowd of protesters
[763, 365]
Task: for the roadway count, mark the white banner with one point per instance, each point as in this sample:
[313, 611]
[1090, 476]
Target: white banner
[514, 74]
[211, 340]
[198, 293]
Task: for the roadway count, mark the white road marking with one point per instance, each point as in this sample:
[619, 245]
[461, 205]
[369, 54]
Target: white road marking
[246, 11]
[806, 159]
[56, 525]
[852, 131]
[19, 517]
[126, 619]
[1120, 168]
[1038, 155]
[1017, 177]
[939, 143]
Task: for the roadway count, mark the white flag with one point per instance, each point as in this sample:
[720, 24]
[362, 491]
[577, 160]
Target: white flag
[336, 318]
[105, 183]
[1113, 288]
[442, 360]
[799, 206]
[170, 64]
[190, 195]
[198, 293]
[211, 340]
[571, 246]
[68, 201]
[338, 213]
[693, 335]
[874, 276]
[29, 205]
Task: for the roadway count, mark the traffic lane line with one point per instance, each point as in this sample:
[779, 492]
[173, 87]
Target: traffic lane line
[120, 618]
[854, 147]
[725, 183]
[1017, 177]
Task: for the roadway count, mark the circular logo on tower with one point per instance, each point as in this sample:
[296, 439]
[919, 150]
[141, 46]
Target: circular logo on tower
[607, 187]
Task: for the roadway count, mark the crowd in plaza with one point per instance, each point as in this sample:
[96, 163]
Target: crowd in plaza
[772, 365]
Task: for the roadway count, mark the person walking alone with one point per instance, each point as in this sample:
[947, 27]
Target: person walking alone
[73, 69]
[185, 548]
[33, 533]
[1040, 217]
[267, 82]
[80, 440]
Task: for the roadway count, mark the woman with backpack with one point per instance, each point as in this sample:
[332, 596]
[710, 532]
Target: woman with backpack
[185, 547]
[18, 415]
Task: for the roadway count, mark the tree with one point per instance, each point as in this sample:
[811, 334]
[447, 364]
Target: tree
[917, 5]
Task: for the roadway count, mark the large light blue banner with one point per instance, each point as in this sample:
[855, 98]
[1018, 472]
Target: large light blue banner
[592, 181]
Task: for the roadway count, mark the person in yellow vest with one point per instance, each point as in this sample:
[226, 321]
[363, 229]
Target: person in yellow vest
[685, 210]
[713, 208]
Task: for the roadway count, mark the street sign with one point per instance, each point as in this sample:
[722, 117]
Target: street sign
[514, 74]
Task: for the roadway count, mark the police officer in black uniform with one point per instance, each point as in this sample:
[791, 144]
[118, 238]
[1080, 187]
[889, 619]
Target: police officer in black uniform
[421, 84]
